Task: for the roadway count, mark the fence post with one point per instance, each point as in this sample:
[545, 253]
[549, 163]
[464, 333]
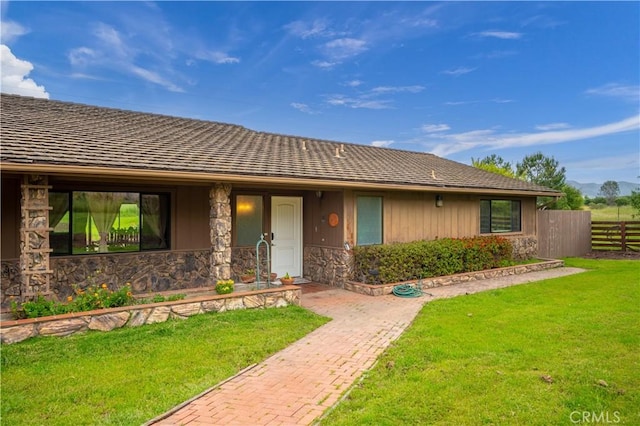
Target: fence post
[623, 235]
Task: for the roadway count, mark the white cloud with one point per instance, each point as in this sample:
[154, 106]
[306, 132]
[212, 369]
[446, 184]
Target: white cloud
[14, 76]
[396, 89]
[217, 57]
[445, 144]
[553, 126]
[505, 35]
[305, 30]
[459, 71]
[495, 101]
[616, 90]
[382, 144]
[303, 107]
[82, 56]
[354, 83]
[432, 128]
[341, 100]
[324, 64]
[10, 31]
[343, 48]
[154, 77]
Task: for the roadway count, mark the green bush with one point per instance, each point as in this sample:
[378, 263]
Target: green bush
[381, 264]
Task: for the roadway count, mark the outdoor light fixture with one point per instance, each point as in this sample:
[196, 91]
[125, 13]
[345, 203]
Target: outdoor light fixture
[439, 200]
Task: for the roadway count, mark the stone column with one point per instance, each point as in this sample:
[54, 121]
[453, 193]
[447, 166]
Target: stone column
[34, 237]
[220, 231]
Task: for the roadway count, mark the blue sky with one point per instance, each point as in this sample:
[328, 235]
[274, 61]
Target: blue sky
[462, 80]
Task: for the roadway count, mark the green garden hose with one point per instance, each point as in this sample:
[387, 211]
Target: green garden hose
[407, 290]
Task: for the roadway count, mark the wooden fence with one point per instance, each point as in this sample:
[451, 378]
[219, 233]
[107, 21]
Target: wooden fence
[563, 233]
[621, 236]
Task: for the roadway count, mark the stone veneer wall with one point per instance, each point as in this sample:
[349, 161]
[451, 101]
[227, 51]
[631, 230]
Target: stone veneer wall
[220, 230]
[10, 281]
[328, 265]
[146, 271]
[524, 247]
[133, 316]
[244, 258]
[35, 269]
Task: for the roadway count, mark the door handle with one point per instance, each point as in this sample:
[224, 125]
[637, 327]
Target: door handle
[272, 236]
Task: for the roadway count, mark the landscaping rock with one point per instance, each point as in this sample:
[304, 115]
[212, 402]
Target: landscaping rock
[186, 310]
[139, 317]
[108, 322]
[159, 314]
[214, 306]
[17, 334]
[63, 327]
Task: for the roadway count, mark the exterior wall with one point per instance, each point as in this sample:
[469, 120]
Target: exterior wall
[191, 218]
[328, 265]
[412, 216]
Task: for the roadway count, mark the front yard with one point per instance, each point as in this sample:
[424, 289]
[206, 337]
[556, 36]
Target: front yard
[130, 375]
[551, 352]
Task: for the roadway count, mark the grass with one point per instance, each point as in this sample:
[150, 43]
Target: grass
[612, 213]
[130, 375]
[480, 359]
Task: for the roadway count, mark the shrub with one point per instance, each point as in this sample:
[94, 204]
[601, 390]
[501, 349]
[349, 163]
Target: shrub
[422, 259]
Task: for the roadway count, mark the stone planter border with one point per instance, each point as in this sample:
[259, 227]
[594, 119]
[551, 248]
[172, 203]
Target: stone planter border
[135, 315]
[383, 289]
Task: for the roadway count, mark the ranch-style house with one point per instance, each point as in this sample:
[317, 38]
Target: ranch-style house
[115, 196]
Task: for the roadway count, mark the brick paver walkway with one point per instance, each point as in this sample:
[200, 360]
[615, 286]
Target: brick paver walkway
[296, 385]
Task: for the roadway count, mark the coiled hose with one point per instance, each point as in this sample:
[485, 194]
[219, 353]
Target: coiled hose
[408, 290]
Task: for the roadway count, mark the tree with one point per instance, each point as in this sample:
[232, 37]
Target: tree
[610, 191]
[572, 199]
[541, 170]
[635, 202]
[495, 164]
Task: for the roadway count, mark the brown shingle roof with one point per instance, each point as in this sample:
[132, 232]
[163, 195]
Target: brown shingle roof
[38, 131]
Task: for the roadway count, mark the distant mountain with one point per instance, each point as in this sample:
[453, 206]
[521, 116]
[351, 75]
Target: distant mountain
[593, 189]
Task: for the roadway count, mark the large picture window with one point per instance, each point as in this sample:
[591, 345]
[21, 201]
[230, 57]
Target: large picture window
[249, 219]
[85, 222]
[500, 216]
[369, 220]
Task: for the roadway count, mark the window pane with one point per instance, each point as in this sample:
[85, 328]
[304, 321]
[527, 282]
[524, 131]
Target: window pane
[106, 222]
[59, 217]
[500, 216]
[248, 219]
[515, 216]
[369, 217]
[155, 221]
[485, 216]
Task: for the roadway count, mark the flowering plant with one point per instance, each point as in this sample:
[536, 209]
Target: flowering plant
[224, 286]
[87, 299]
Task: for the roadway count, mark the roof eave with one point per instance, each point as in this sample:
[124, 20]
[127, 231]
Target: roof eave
[182, 176]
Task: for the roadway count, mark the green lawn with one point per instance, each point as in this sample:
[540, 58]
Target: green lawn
[130, 375]
[480, 359]
[612, 213]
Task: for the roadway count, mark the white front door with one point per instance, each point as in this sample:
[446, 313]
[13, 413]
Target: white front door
[286, 242]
